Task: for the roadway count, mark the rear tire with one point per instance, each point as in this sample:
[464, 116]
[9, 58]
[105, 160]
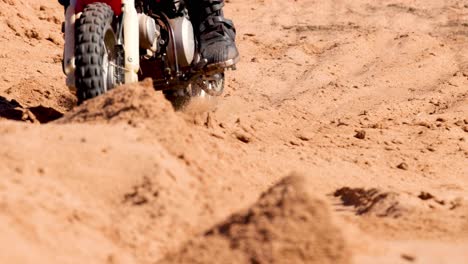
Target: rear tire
[98, 66]
[205, 89]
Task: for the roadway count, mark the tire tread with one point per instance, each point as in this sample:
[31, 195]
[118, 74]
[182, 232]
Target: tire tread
[89, 50]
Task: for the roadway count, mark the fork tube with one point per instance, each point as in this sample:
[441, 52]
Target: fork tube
[131, 41]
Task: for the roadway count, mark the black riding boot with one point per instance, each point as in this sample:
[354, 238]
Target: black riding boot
[65, 3]
[216, 34]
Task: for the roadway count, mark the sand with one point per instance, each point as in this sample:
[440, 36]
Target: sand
[365, 101]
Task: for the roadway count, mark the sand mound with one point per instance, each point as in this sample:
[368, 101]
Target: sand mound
[371, 201]
[392, 204]
[11, 109]
[286, 225]
[127, 103]
[41, 91]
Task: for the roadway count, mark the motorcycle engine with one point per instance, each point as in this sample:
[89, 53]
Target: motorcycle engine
[171, 51]
[181, 46]
[149, 32]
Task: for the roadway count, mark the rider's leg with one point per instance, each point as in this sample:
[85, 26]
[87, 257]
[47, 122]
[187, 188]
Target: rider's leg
[216, 33]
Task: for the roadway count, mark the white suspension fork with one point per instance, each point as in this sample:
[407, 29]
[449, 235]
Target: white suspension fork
[131, 41]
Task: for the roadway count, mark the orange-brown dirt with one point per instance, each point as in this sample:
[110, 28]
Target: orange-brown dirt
[366, 100]
[286, 225]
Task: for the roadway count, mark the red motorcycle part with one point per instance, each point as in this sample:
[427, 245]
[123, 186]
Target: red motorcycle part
[116, 5]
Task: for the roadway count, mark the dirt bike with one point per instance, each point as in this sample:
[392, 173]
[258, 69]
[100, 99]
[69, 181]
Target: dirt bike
[113, 42]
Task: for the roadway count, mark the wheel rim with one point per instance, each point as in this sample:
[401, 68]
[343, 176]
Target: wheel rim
[210, 85]
[108, 61]
[105, 70]
[198, 92]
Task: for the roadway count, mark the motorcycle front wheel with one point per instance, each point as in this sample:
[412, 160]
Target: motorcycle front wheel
[98, 63]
